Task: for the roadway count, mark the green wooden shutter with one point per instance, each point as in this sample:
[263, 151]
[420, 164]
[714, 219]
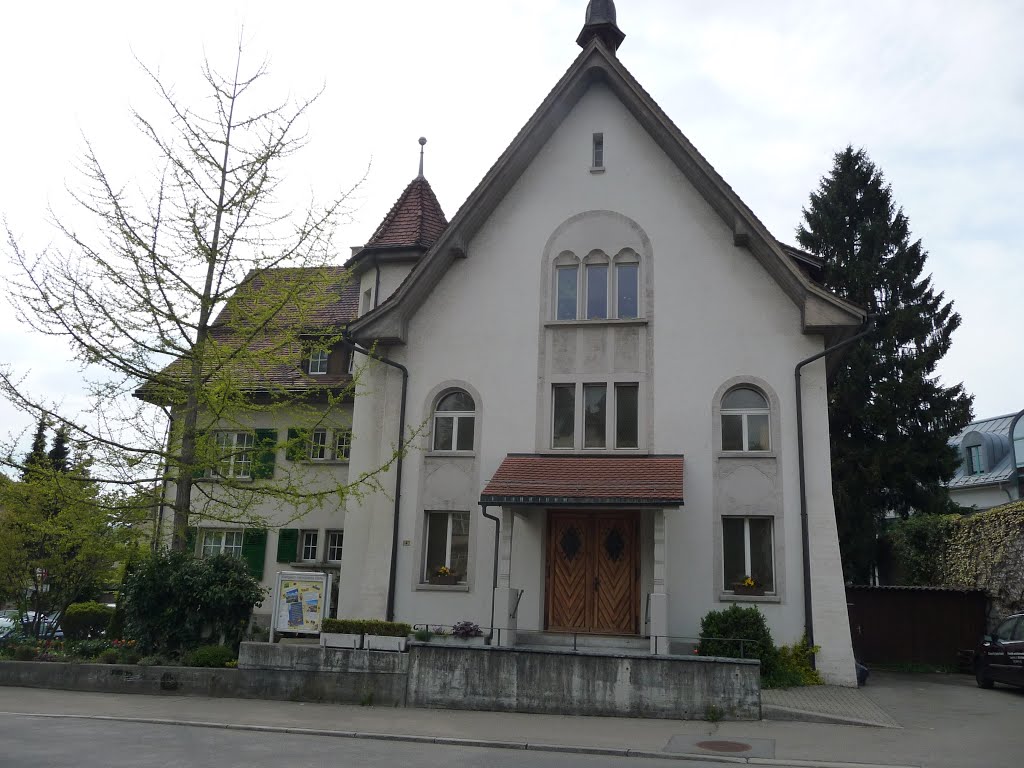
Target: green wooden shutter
[264, 453]
[287, 545]
[254, 549]
[191, 536]
[297, 447]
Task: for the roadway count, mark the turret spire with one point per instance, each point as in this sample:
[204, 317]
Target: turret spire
[600, 23]
[423, 142]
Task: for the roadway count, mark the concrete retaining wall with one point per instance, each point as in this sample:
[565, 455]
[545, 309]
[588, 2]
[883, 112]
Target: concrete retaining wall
[439, 676]
[583, 683]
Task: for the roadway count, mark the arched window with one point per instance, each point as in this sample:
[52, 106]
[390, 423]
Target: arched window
[596, 288]
[454, 422]
[745, 422]
[627, 285]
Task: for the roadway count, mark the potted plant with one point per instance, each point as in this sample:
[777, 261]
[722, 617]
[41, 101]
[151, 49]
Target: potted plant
[341, 633]
[386, 635]
[444, 575]
[748, 586]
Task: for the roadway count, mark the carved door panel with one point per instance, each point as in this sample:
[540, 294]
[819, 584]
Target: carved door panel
[615, 571]
[592, 573]
[569, 544]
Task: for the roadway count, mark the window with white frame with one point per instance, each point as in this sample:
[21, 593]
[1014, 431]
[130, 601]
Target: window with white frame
[309, 546]
[234, 454]
[222, 543]
[974, 465]
[627, 286]
[318, 361]
[596, 272]
[748, 550]
[595, 415]
[446, 547]
[318, 445]
[566, 280]
[745, 421]
[342, 444]
[335, 540]
[454, 422]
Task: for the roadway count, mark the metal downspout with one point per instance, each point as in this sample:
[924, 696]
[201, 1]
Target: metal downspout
[393, 574]
[494, 585]
[804, 531]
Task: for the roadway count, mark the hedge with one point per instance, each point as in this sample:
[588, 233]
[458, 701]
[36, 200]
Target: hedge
[82, 621]
[366, 627]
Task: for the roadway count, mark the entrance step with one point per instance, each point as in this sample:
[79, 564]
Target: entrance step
[558, 640]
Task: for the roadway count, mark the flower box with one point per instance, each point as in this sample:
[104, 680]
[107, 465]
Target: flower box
[448, 580]
[459, 641]
[341, 640]
[742, 589]
[386, 643]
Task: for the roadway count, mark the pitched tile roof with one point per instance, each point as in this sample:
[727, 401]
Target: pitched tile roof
[599, 480]
[415, 220]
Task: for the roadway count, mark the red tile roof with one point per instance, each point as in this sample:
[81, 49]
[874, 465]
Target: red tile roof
[415, 220]
[599, 480]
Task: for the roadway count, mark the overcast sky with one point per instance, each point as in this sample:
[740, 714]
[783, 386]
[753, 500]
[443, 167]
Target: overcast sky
[767, 91]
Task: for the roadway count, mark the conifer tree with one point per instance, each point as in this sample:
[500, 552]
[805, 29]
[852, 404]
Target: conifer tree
[60, 452]
[36, 456]
[890, 416]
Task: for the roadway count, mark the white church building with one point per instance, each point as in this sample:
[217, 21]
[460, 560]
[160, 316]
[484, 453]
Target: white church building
[601, 347]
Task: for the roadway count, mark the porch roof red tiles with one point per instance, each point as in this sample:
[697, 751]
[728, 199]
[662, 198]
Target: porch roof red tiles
[600, 481]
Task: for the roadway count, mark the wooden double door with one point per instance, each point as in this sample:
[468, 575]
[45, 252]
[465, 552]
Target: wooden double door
[593, 572]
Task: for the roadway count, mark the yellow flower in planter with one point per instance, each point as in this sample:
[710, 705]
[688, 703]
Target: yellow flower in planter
[444, 570]
[748, 582]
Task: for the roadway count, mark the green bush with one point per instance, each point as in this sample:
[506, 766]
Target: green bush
[89, 649]
[152, 661]
[366, 627]
[721, 633]
[209, 656]
[24, 653]
[793, 667]
[109, 656]
[173, 601]
[82, 621]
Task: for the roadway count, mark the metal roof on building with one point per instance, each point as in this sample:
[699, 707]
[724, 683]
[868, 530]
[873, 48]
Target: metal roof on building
[1004, 469]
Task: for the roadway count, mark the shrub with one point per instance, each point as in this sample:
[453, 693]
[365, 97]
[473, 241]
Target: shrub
[24, 653]
[173, 601]
[423, 635]
[209, 656]
[85, 620]
[793, 667]
[89, 649]
[132, 657]
[722, 631]
[152, 661]
[366, 627]
[109, 656]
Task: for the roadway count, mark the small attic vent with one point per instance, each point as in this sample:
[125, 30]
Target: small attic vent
[598, 153]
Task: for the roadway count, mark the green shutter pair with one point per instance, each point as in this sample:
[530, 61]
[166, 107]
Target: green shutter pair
[287, 545]
[297, 447]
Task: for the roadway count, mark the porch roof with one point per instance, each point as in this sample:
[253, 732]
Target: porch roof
[630, 481]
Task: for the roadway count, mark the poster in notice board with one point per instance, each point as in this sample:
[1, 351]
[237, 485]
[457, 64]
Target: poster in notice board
[300, 601]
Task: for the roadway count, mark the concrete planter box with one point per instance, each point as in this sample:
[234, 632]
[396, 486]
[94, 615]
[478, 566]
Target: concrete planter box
[340, 640]
[386, 643]
[460, 642]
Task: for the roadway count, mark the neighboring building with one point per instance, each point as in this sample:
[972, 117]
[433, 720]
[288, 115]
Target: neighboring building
[991, 470]
[601, 345]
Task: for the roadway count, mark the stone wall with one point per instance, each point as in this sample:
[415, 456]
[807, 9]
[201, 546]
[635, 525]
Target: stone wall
[583, 683]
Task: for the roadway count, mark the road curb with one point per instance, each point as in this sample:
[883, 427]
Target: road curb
[780, 714]
[456, 741]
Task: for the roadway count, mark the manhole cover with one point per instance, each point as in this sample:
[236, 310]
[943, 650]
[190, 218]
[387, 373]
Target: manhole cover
[724, 746]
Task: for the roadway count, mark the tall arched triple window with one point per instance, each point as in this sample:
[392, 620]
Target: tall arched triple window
[598, 288]
[454, 422]
[746, 425]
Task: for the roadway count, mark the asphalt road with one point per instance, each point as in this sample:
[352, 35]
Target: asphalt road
[55, 742]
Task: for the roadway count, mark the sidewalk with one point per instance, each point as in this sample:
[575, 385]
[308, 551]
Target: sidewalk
[935, 732]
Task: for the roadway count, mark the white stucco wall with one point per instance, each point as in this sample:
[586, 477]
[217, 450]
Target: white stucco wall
[717, 314]
[984, 497]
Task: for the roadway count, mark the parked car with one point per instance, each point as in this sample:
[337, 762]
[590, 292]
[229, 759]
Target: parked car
[1000, 656]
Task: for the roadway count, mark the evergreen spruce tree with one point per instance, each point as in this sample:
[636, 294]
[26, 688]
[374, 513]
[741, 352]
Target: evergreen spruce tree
[890, 417]
[60, 452]
[36, 457]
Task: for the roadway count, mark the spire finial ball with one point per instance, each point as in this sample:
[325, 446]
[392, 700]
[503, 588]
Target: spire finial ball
[423, 140]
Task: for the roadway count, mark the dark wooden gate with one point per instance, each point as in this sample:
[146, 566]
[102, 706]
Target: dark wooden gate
[914, 625]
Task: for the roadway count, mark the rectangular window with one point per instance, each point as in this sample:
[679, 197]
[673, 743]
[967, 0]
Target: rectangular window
[748, 550]
[446, 558]
[222, 543]
[309, 545]
[597, 291]
[234, 454]
[342, 444]
[598, 150]
[335, 540]
[318, 445]
[563, 409]
[627, 415]
[974, 465]
[595, 412]
[367, 303]
[566, 292]
[352, 362]
[627, 291]
[318, 361]
[732, 432]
